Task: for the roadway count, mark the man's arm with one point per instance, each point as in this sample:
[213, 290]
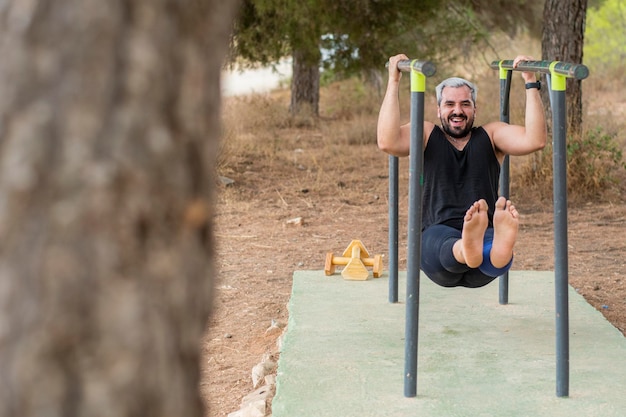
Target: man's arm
[522, 140]
[391, 136]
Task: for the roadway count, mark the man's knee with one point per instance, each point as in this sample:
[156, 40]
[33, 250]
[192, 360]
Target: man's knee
[444, 278]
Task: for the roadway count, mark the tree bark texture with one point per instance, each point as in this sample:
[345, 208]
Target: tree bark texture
[305, 83]
[562, 40]
[109, 117]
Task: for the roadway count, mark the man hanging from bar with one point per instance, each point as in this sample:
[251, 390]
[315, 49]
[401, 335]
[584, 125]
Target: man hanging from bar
[468, 232]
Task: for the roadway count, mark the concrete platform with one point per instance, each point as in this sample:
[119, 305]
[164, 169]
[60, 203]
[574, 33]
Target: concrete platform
[343, 353]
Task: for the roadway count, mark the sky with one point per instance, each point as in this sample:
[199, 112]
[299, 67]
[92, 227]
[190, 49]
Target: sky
[254, 81]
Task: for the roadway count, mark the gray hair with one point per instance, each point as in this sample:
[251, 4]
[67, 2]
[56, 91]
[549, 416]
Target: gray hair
[456, 82]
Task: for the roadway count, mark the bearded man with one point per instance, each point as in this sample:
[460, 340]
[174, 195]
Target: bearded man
[468, 231]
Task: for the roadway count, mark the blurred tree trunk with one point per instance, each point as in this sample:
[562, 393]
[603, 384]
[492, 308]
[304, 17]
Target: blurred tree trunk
[109, 116]
[305, 83]
[562, 40]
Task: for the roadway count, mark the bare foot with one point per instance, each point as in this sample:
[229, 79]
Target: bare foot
[469, 250]
[505, 225]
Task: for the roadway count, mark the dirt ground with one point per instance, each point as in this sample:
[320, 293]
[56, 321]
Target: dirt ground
[284, 213]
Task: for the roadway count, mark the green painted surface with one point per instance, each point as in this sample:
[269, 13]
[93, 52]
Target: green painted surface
[343, 353]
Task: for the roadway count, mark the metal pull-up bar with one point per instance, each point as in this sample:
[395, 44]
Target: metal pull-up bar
[560, 69]
[564, 69]
[556, 72]
[426, 68]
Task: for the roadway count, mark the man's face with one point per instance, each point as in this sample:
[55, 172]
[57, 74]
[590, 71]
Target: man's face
[456, 111]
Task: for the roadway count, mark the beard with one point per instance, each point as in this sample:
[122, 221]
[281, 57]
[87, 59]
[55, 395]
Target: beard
[457, 132]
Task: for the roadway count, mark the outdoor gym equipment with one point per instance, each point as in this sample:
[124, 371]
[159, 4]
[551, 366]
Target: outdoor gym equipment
[355, 258]
[419, 70]
[556, 73]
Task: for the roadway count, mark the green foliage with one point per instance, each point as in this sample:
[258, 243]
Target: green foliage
[260, 36]
[507, 16]
[594, 165]
[361, 34]
[593, 161]
[605, 34]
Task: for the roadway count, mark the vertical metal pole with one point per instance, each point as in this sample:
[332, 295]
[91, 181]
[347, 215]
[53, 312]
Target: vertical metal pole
[505, 90]
[416, 161]
[559, 128]
[393, 229]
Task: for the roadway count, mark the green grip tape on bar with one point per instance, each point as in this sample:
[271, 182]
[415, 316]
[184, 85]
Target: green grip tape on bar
[557, 81]
[418, 80]
[502, 71]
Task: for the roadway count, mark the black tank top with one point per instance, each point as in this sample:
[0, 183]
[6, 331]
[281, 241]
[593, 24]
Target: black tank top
[454, 180]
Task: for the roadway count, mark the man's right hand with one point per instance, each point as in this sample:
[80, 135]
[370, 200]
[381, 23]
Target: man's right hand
[394, 73]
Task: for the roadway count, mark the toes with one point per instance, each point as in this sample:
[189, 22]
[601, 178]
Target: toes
[471, 210]
[502, 203]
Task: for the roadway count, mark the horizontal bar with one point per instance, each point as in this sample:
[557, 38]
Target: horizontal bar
[345, 260]
[425, 67]
[578, 71]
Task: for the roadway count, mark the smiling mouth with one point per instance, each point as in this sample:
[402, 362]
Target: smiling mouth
[457, 120]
